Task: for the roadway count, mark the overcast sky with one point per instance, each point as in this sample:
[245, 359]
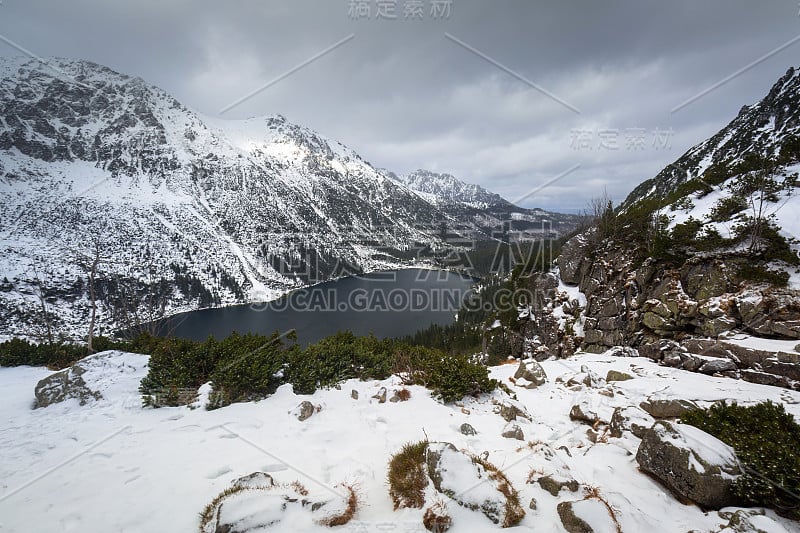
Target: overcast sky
[584, 83]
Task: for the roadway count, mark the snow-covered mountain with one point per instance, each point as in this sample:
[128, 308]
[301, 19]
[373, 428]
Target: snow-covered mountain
[769, 128]
[447, 189]
[487, 210]
[185, 210]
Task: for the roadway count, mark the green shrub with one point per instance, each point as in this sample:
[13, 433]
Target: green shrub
[337, 358]
[449, 376]
[175, 364]
[727, 207]
[766, 439]
[250, 367]
[20, 352]
[344, 356]
[246, 367]
[761, 274]
[685, 233]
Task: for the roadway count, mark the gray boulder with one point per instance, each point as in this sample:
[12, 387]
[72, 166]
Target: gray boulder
[589, 515]
[714, 366]
[555, 485]
[254, 480]
[381, 395]
[532, 373]
[588, 409]
[773, 313]
[255, 503]
[690, 462]
[513, 431]
[671, 408]
[570, 520]
[64, 385]
[452, 472]
[632, 419]
[615, 375]
[623, 351]
[467, 429]
[304, 411]
[510, 410]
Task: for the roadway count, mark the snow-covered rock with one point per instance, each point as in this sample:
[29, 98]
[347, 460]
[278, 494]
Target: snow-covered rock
[473, 484]
[691, 462]
[630, 418]
[89, 378]
[530, 374]
[586, 516]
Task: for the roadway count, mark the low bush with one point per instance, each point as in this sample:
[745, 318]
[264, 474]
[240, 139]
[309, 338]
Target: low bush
[250, 367]
[727, 207]
[337, 358]
[759, 273]
[21, 352]
[766, 439]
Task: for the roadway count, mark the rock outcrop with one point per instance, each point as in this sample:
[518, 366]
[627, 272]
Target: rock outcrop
[64, 385]
[530, 374]
[690, 462]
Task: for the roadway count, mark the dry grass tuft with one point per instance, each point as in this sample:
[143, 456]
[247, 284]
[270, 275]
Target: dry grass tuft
[436, 518]
[407, 477]
[349, 511]
[404, 394]
[298, 487]
[593, 493]
[535, 474]
[514, 511]
[530, 445]
[208, 513]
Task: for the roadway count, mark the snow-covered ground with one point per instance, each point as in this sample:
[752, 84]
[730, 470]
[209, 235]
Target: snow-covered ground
[112, 465]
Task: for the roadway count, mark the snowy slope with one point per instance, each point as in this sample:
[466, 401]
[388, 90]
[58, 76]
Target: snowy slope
[769, 128]
[111, 465]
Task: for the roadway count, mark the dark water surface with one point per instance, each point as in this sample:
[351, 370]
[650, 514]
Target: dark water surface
[388, 304]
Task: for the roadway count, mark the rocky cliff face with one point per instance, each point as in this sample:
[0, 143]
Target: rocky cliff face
[681, 300]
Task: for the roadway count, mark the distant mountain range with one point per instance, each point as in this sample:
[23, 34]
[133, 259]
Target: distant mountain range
[189, 211]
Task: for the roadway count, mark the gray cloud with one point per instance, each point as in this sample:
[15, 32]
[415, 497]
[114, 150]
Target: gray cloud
[406, 97]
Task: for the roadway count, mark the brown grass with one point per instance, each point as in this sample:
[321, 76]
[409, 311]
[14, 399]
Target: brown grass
[436, 518]
[535, 474]
[404, 394]
[593, 493]
[514, 511]
[346, 515]
[208, 512]
[407, 477]
[299, 488]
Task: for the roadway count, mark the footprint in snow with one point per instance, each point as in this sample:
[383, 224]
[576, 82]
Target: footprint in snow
[219, 472]
[274, 468]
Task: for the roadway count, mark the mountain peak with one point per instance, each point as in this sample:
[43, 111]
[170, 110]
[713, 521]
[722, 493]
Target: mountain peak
[448, 189]
[768, 128]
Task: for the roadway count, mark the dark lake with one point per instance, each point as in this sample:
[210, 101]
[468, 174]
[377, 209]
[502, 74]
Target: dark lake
[387, 304]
